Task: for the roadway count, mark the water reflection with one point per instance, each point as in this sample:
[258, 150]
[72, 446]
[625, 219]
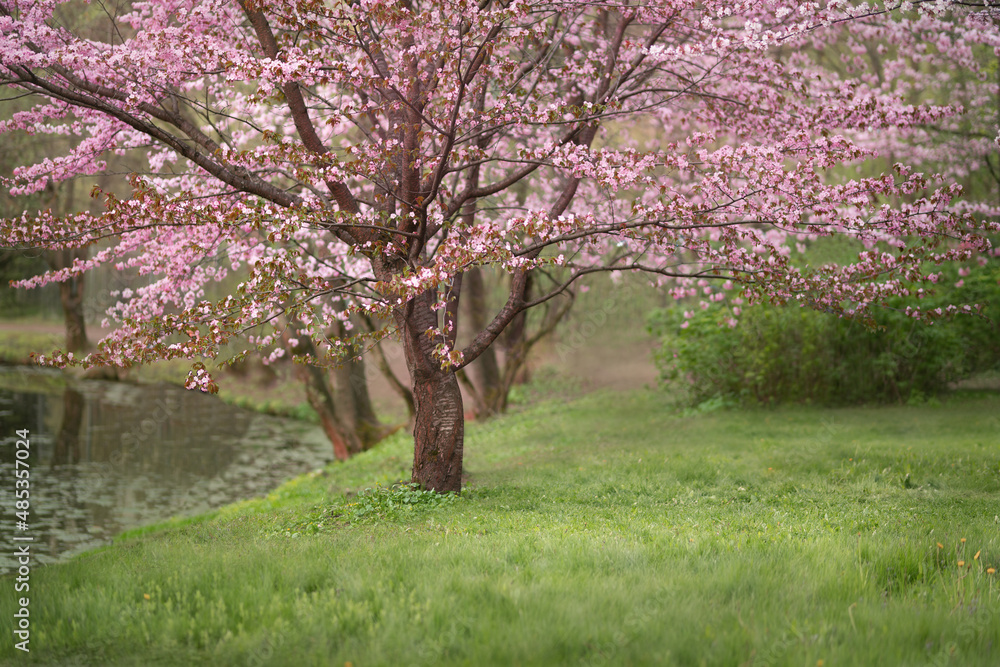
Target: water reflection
[109, 456]
[67, 449]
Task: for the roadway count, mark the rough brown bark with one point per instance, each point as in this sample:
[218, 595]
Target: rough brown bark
[438, 432]
[439, 423]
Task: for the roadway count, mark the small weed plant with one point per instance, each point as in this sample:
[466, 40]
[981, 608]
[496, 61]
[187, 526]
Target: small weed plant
[395, 503]
[401, 500]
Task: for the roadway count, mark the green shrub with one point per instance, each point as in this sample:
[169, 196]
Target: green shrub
[789, 354]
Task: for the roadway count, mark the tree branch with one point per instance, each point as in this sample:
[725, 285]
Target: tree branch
[300, 114]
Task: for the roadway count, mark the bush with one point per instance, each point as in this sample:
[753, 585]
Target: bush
[796, 355]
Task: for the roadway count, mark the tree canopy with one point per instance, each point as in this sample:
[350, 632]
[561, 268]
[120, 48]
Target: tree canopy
[360, 157]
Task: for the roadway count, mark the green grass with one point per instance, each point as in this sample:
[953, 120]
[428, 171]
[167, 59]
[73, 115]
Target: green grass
[16, 347]
[607, 530]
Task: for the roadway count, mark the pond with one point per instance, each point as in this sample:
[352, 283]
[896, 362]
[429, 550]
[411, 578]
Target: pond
[108, 456]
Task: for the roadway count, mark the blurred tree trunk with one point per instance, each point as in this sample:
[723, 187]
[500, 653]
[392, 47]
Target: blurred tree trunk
[320, 395]
[397, 386]
[516, 345]
[71, 291]
[354, 401]
[340, 398]
[485, 370]
[491, 382]
[71, 296]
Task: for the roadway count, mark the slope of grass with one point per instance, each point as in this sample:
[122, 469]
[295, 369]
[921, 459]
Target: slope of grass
[603, 531]
[17, 344]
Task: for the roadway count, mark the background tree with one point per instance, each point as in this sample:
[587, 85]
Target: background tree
[352, 427]
[16, 263]
[505, 363]
[361, 158]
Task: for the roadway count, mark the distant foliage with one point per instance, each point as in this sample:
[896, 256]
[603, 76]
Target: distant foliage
[797, 355]
[14, 265]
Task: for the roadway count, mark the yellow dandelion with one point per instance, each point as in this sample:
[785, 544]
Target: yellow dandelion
[145, 595]
[962, 540]
[961, 563]
[940, 546]
[976, 557]
[990, 570]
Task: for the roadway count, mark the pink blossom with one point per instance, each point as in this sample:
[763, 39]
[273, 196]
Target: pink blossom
[308, 179]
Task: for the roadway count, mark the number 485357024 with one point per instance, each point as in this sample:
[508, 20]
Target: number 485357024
[22, 473]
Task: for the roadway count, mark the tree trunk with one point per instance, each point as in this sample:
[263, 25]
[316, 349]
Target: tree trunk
[493, 383]
[70, 291]
[320, 395]
[355, 404]
[401, 389]
[485, 369]
[438, 432]
[71, 295]
[515, 343]
[439, 422]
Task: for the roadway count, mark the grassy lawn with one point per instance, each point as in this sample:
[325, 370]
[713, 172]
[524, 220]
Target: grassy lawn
[606, 530]
[16, 345]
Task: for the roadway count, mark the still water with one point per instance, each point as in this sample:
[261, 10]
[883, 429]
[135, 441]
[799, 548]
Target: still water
[109, 456]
